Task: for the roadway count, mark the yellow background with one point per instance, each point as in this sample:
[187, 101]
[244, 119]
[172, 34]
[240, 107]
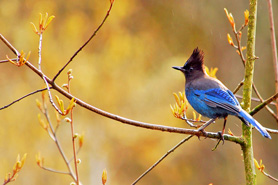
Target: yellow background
[126, 70]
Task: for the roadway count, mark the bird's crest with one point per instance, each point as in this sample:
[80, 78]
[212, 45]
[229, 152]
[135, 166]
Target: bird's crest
[196, 59]
[197, 56]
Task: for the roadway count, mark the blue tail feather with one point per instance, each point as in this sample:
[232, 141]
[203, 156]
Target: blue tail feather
[243, 114]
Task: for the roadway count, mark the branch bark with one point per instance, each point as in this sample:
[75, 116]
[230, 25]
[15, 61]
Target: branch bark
[247, 147]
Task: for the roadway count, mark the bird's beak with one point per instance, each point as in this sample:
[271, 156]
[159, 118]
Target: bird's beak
[179, 68]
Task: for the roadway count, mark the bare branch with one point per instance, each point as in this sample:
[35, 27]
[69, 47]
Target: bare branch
[161, 159]
[9, 45]
[34, 92]
[274, 49]
[92, 36]
[175, 147]
[263, 104]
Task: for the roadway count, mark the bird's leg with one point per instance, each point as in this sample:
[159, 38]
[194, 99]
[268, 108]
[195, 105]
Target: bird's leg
[223, 130]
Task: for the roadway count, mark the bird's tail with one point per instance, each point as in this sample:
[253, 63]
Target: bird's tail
[243, 114]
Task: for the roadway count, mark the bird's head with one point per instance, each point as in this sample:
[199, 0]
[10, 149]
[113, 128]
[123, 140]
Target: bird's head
[194, 66]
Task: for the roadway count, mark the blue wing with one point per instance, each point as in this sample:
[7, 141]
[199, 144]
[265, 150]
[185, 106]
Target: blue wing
[225, 99]
[220, 98]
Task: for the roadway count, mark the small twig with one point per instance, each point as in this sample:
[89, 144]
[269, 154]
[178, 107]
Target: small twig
[191, 121]
[9, 45]
[263, 104]
[92, 36]
[273, 131]
[238, 87]
[269, 176]
[34, 92]
[72, 134]
[172, 150]
[262, 100]
[54, 137]
[274, 49]
[54, 171]
[253, 99]
[40, 52]
[161, 159]
[239, 49]
[4, 61]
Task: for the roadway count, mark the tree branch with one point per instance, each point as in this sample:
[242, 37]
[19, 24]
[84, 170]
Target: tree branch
[92, 36]
[247, 149]
[274, 49]
[263, 104]
[34, 92]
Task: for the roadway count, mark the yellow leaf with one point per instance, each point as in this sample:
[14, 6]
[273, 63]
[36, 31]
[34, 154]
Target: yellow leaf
[172, 109]
[71, 104]
[246, 17]
[256, 163]
[104, 176]
[230, 40]
[230, 18]
[39, 159]
[177, 98]
[230, 132]
[49, 21]
[81, 140]
[23, 159]
[39, 105]
[194, 115]
[34, 28]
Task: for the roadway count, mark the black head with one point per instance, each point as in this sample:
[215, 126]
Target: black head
[194, 66]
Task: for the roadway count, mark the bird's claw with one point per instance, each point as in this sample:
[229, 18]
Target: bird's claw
[204, 133]
[221, 137]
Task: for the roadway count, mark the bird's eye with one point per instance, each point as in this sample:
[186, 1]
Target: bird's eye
[190, 69]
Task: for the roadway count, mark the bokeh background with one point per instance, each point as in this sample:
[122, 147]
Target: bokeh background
[126, 70]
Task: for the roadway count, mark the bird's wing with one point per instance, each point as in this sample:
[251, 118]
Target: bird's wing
[219, 98]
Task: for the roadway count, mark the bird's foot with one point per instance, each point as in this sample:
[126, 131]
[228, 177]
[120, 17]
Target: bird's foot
[221, 137]
[203, 133]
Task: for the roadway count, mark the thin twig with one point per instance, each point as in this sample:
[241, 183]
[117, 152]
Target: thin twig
[274, 49]
[161, 159]
[238, 39]
[239, 49]
[4, 61]
[92, 36]
[57, 142]
[262, 100]
[238, 87]
[263, 104]
[273, 131]
[54, 171]
[172, 150]
[34, 92]
[9, 45]
[269, 176]
[43, 76]
[72, 135]
[254, 99]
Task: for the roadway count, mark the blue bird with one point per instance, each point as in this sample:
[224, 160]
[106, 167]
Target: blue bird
[209, 97]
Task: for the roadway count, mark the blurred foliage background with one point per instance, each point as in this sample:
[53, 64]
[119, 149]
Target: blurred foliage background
[126, 70]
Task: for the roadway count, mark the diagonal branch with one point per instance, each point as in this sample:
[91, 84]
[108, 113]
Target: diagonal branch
[34, 92]
[274, 49]
[92, 36]
[119, 118]
[263, 104]
[172, 150]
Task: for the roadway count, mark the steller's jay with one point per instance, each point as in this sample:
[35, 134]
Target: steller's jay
[209, 97]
